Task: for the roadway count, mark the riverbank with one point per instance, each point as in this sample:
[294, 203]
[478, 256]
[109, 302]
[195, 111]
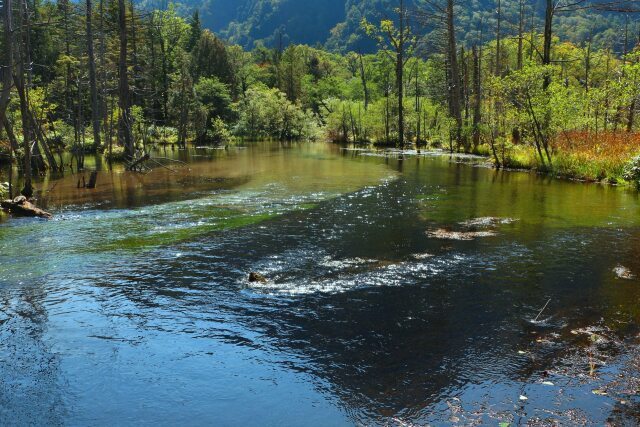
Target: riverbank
[607, 158]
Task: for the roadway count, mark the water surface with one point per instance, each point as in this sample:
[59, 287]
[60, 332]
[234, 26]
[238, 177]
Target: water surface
[133, 305]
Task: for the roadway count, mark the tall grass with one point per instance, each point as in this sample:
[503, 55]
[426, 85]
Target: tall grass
[582, 155]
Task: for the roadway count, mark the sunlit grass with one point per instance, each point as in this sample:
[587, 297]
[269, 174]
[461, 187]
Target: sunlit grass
[579, 155]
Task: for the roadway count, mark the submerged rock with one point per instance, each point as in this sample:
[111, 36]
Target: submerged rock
[444, 234]
[471, 229]
[257, 278]
[486, 222]
[623, 272]
[20, 206]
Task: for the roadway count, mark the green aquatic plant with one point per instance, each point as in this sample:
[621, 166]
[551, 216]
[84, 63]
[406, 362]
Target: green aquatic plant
[201, 221]
[173, 235]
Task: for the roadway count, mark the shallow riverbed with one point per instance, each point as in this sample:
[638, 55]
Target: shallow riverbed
[400, 292]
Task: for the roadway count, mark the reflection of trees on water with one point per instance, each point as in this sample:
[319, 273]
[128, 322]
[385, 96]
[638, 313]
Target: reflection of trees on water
[31, 387]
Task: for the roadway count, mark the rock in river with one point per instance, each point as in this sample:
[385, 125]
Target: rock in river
[623, 272]
[257, 278]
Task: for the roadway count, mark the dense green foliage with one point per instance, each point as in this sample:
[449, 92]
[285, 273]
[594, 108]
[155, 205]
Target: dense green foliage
[187, 85]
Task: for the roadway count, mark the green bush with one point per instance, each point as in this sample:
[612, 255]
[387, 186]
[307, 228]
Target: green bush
[4, 190]
[162, 134]
[219, 133]
[632, 172]
[117, 153]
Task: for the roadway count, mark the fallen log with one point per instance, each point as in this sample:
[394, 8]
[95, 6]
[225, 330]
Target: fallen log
[20, 206]
[134, 165]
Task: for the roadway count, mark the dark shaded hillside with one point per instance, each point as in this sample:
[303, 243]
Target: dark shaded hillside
[336, 23]
[270, 21]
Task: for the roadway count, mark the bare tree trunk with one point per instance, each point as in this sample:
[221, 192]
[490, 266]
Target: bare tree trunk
[477, 100]
[400, 76]
[18, 79]
[7, 79]
[124, 96]
[587, 64]
[632, 110]
[418, 109]
[548, 34]
[363, 77]
[520, 33]
[499, 39]
[7, 83]
[93, 85]
[454, 78]
[103, 73]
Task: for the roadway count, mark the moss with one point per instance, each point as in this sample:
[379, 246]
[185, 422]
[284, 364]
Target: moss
[307, 206]
[176, 235]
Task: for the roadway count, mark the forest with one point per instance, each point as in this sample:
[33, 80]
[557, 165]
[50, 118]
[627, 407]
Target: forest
[115, 78]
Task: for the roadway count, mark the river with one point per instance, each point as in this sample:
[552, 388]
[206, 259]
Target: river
[400, 292]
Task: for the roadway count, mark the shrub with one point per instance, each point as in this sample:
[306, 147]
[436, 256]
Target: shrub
[117, 153]
[4, 191]
[162, 134]
[267, 113]
[218, 133]
[632, 172]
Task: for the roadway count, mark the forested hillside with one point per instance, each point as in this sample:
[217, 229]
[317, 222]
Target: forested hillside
[336, 23]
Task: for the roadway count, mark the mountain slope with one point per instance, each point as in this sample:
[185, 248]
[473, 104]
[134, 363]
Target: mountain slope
[336, 23]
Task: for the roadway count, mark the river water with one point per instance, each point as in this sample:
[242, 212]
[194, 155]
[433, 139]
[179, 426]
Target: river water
[400, 292]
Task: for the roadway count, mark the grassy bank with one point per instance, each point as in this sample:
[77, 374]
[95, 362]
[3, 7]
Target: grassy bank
[576, 155]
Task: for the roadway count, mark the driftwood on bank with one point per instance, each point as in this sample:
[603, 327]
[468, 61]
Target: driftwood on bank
[20, 206]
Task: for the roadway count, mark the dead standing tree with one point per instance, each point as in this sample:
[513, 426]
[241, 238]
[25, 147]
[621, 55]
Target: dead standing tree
[124, 96]
[397, 40]
[442, 15]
